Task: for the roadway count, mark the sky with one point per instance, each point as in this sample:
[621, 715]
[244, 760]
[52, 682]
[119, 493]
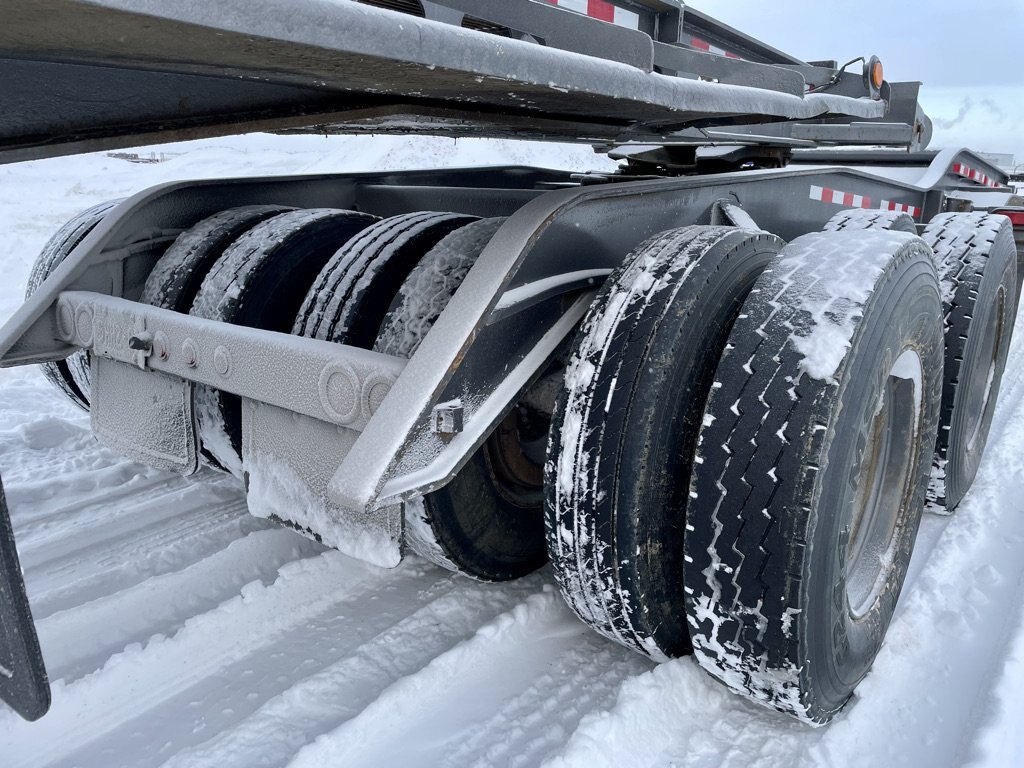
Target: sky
[968, 55]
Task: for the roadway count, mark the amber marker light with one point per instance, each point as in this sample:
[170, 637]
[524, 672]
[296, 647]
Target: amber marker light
[874, 76]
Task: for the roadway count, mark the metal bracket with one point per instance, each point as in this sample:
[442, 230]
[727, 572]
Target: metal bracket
[728, 213]
[331, 382]
[447, 419]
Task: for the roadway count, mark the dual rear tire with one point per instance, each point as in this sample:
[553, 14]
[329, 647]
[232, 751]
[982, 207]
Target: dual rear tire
[741, 451]
[813, 462]
[627, 422]
[384, 290]
[977, 262]
[377, 284]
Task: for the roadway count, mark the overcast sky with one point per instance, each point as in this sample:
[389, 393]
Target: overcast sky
[969, 54]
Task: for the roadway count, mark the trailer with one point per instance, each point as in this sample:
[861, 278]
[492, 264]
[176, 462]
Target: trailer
[716, 389]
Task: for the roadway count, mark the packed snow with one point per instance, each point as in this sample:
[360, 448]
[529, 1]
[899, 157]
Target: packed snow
[834, 304]
[181, 631]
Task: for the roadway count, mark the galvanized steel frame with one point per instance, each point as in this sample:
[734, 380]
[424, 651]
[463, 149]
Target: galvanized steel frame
[94, 74]
[484, 350]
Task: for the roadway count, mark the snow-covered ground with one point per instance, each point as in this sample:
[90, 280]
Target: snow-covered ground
[179, 630]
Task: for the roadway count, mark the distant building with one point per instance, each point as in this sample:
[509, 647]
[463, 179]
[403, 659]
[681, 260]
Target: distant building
[1004, 161]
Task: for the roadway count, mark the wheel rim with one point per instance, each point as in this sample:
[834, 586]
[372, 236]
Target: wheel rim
[886, 485]
[512, 460]
[985, 375]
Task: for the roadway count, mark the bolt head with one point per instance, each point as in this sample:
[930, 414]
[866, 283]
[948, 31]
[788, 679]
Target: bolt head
[160, 345]
[222, 360]
[190, 353]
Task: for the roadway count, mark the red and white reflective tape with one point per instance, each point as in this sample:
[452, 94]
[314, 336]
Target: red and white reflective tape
[888, 205]
[850, 200]
[600, 9]
[974, 175]
[704, 45]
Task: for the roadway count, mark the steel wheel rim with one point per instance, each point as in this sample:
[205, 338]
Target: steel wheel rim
[886, 485]
[518, 477]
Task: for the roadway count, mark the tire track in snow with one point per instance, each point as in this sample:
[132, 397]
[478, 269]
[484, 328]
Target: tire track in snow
[147, 497]
[224, 664]
[451, 711]
[79, 640]
[45, 449]
[122, 556]
[343, 690]
[96, 491]
[583, 675]
[140, 678]
[674, 711]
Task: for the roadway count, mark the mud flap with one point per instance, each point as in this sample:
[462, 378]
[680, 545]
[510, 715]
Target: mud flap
[288, 460]
[145, 415]
[24, 685]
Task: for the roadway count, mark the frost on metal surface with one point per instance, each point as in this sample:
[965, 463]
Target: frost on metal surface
[409, 45]
[831, 303]
[145, 415]
[288, 462]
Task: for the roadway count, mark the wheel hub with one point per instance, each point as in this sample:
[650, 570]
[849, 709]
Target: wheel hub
[886, 483]
[515, 456]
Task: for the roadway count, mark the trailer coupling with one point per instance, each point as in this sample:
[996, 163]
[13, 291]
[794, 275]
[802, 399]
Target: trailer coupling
[24, 685]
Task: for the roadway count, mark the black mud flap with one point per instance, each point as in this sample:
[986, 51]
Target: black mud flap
[23, 681]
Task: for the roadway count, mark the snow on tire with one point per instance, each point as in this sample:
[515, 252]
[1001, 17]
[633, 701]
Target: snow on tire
[977, 262]
[352, 294]
[71, 375]
[812, 466]
[178, 274]
[866, 218]
[478, 524]
[625, 429]
[260, 281]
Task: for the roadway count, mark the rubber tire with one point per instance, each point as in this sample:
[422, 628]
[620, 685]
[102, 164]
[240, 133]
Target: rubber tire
[624, 430]
[467, 526]
[261, 281]
[177, 276]
[352, 294]
[780, 457]
[70, 375]
[866, 218]
[977, 262]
